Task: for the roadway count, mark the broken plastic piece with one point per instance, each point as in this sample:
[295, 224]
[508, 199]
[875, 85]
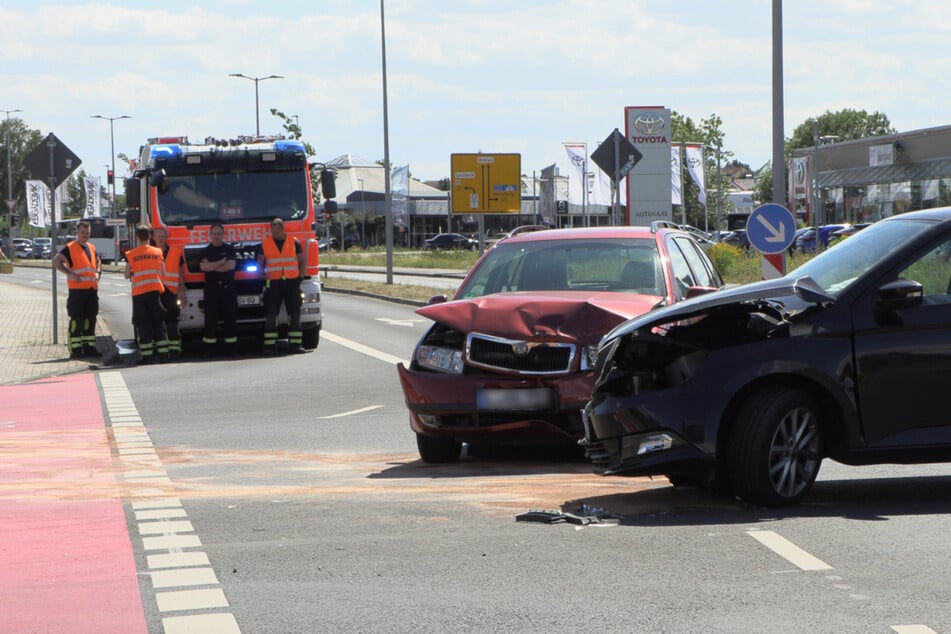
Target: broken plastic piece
[551, 517]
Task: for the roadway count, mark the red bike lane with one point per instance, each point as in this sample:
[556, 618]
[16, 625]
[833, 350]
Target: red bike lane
[66, 558]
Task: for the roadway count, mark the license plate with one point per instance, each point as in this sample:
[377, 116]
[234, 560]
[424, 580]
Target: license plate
[531, 399]
[249, 300]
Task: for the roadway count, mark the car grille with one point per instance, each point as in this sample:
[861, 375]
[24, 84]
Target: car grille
[519, 357]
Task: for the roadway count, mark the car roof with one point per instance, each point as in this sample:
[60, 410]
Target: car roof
[589, 233]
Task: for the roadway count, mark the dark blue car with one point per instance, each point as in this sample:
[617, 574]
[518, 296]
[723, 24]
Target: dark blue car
[806, 241]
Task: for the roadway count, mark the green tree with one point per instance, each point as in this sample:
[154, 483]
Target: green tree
[846, 125]
[708, 132]
[22, 139]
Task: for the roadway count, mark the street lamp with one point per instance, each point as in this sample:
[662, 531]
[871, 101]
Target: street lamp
[11, 200]
[112, 152]
[256, 80]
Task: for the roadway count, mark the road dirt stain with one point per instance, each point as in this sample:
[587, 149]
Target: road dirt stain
[71, 467]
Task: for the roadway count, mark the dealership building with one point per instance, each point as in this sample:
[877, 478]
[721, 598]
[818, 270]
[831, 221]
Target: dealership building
[870, 179]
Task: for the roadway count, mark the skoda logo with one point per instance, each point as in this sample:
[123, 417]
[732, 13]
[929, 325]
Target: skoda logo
[520, 349]
[649, 124]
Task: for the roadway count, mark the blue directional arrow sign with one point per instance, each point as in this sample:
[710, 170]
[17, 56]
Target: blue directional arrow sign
[771, 228]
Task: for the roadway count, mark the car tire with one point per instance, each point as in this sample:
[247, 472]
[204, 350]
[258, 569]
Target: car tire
[310, 338]
[775, 448]
[437, 449]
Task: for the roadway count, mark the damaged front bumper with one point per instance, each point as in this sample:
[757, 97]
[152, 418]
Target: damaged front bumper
[516, 410]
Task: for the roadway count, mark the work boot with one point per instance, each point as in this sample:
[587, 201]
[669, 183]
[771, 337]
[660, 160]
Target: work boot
[76, 354]
[269, 351]
[90, 351]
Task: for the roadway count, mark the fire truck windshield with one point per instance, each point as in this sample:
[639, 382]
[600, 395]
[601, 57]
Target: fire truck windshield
[233, 197]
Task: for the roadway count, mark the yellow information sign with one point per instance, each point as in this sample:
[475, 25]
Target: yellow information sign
[486, 183]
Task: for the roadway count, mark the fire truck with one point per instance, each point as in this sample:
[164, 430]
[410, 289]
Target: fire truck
[243, 184]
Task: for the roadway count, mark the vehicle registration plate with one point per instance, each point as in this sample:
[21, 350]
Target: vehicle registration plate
[249, 300]
[531, 399]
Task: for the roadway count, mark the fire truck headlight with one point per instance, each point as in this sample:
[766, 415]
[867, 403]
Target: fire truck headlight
[310, 298]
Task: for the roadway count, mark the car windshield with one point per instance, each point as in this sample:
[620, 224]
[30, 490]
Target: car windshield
[836, 269]
[627, 265]
[233, 197]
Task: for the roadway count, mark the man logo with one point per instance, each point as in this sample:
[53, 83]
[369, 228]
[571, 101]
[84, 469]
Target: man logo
[649, 124]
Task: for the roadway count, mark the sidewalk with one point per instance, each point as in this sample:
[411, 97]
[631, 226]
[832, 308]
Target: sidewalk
[26, 336]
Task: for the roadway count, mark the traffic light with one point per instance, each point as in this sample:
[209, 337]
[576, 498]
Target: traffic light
[110, 177]
[330, 208]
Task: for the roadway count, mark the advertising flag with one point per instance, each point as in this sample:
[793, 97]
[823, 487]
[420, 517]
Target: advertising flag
[399, 182]
[38, 203]
[577, 181]
[676, 176]
[93, 197]
[694, 153]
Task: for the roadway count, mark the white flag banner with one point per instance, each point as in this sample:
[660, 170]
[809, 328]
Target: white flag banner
[399, 182]
[38, 203]
[676, 176]
[600, 193]
[93, 197]
[577, 159]
[694, 154]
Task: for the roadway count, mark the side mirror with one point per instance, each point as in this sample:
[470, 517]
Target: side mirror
[328, 185]
[437, 299]
[899, 295]
[696, 291]
[159, 179]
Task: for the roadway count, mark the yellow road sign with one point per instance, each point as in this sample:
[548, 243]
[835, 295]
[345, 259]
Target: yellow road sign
[486, 183]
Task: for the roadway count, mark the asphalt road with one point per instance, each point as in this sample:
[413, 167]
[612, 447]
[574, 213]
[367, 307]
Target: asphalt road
[299, 476]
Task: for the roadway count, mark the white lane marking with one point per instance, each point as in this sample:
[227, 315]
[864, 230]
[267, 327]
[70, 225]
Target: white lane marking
[401, 322]
[362, 349]
[163, 525]
[788, 550]
[351, 412]
[913, 629]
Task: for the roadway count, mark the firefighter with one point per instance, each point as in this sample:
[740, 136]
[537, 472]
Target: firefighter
[175, 294]
[146, 268]
[80, 263]
[218, 262]
[281, 260]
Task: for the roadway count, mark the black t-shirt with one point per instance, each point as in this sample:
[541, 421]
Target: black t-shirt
[211, 253]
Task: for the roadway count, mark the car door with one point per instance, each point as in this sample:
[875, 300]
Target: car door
[903, 358]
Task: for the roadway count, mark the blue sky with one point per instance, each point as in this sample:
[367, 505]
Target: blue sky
[495, 76]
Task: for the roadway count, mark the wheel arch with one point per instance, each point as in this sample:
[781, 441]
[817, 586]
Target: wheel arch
[835, 416]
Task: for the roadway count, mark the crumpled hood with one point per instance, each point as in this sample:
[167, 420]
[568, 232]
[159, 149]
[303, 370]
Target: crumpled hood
[795, 293]
[567, 315]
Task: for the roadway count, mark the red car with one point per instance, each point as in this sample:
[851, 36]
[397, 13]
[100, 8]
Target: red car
[509, 360]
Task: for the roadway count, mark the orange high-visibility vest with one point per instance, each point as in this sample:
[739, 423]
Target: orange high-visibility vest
[173, 274]
[281, 264]
[146, 265]
[82, 265]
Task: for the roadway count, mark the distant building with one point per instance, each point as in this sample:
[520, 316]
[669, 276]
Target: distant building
[869, 179]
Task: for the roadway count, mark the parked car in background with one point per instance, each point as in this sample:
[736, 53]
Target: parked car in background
[42, 248]
[747, 390]
[509, 360]
[23, 247]
[736, 238]
[847, 230]
[451, 241]
[806, 241]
